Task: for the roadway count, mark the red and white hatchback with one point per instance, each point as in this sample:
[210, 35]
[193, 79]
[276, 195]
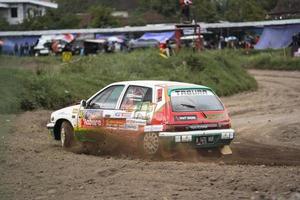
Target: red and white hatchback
[150, 113]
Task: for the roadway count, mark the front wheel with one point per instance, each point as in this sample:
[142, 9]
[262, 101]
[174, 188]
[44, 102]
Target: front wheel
[66, 135]
[150, 144]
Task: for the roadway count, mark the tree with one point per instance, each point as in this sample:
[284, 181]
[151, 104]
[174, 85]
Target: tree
[165, 7]
[54, 19]
[101, 17]
[268, 5]
[241, 10]
[205, 11]
[3, 24]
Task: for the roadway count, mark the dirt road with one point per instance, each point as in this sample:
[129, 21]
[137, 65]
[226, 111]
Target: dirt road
[265, 163]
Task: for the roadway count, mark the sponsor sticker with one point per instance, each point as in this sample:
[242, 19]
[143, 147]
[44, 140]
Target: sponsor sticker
[122, 114]
[136, 122]
[186, 138]
[131, 127]
[153, 128]
[93, 115]
[115, 123]
[227, 136]
[192, 92]
[185, 117]
[89, 123]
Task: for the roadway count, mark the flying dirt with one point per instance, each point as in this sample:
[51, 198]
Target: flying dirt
[265, 163]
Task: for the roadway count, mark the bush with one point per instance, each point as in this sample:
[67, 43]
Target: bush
[52, 85]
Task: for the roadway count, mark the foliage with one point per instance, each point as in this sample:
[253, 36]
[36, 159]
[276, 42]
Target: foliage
[51, 85]
[3, 24]
[166, 7]
[241, 10]
[215, 10]
[202, 10]
[101, 17]
[206, 11]
[54, 19]
[268, 5]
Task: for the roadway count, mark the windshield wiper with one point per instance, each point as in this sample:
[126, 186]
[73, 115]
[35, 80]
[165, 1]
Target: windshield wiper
[192, 106]
[188, 105]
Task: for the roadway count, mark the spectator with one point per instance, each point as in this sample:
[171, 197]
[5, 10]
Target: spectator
[185, 8]
[168, 48]
[31, 49]
[163, 50]
[295, 44]
[21, 50]
[16, 49]
[26, 49]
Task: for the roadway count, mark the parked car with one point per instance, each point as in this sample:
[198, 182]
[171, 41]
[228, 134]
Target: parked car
[150, 113]
[142, 44]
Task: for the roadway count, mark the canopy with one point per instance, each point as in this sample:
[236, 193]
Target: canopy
[160, 37]
[111, 38]
[276, 37]
[9, 43]
[99, 41]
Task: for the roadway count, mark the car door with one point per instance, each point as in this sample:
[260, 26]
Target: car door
[137, 106]
[98, 112]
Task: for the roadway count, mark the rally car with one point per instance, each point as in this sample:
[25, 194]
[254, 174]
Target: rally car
[150, 113]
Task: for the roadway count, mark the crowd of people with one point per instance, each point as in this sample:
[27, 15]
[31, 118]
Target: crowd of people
[24, 49]
[166, 48]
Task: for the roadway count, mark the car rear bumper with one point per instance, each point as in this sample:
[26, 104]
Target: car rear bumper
[200, 138]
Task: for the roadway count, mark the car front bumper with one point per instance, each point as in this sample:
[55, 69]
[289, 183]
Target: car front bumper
[200, 138]
[50, 127]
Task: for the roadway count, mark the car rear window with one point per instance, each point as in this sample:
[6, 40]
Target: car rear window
[191, 100]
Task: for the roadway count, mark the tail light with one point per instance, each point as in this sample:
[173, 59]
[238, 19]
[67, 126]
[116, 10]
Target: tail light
[224, 125]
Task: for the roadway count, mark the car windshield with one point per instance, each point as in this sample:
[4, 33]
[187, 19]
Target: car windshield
[193, 100]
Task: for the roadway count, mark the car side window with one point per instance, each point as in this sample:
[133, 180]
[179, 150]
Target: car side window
[135, 96]
[108, 98]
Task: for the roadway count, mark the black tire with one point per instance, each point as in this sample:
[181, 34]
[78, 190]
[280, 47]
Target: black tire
[150, 144]
[67, 135]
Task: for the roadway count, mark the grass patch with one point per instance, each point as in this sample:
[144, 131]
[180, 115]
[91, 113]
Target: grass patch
[51, 85]
[271, 59]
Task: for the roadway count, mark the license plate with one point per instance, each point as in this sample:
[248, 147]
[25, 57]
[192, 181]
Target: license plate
[210, 139]
[201, 140]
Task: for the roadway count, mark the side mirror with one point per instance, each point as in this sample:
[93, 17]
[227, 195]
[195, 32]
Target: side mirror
[83, 103]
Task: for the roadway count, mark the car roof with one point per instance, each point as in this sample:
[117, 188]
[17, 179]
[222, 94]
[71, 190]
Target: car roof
[153, 83]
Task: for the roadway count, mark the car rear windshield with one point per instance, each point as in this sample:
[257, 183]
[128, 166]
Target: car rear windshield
[192, 100]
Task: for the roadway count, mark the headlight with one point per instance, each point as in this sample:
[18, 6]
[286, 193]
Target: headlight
[52, 118]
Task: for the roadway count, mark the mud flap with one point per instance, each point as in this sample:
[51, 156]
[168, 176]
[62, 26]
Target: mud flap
[226, 150]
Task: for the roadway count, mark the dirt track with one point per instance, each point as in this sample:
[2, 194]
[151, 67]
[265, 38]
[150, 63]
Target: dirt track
[265, 163]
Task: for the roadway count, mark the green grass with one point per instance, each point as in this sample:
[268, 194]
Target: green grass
[50, 84]
[271, 59]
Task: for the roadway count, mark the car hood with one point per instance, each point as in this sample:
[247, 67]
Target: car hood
[66, 112]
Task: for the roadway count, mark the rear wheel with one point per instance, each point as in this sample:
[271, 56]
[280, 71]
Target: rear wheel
[150, 144]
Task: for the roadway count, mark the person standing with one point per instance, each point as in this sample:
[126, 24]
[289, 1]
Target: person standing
[26, 49]
[31, 49]
[21, 49]
[16, 49]
[185, 8]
